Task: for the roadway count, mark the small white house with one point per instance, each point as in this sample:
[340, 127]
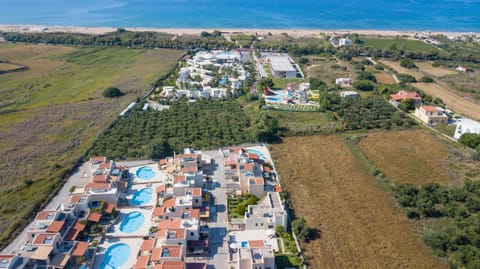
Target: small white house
[349, 94]
[344, 42]
[343, 81]
[462, 68]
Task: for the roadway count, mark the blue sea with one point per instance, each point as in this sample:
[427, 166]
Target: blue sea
[422, 15]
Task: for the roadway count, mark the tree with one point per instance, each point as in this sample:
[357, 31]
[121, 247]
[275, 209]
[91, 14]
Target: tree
[265, 82]
[317, 84]
[300, 229]
[470, 140]
[111, 92]
[426, 79]
[407, 63]
[407, 105]
[241, 209]
[364, 85]
[367, 76]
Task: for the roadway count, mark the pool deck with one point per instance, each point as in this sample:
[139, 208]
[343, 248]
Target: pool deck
[160, 176]
[137, 187]
[264, 150]
[133, 243]
[143, 231]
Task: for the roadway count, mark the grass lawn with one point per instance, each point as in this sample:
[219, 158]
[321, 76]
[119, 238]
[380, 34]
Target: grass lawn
[446, 129]
[301, 123]
[244, 201]
[51, 114]
[287, 261]
[409, 45]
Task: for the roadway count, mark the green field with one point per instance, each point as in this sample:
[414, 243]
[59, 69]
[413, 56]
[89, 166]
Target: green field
[408, 45]
[51, 114]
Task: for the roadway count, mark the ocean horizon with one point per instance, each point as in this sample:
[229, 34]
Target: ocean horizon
[418, 15]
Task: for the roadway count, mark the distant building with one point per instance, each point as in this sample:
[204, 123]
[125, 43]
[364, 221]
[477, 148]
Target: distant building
[431, 115]
[343, 81]
[465, 126]
[280, 64]
[462, 68]
[404, 95]
[344, 42]
[349, 94]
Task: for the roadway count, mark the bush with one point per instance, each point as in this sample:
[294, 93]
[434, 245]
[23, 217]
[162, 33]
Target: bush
[407, 63]
[364, 85]
[241, 209]
[111, 92]
[301, 229]
[406, 78]
[426, 79]
[470, 140]
[413, 214]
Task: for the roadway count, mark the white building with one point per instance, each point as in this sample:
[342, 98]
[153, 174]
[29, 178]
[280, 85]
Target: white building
[256, 258]
[431, 115]
[344, 42]
[281, 66]
[349, 94]
[343, 81]
[465, 126]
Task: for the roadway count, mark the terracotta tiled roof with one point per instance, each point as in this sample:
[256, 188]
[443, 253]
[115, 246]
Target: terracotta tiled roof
[105, 165]
[156, 254]
[253, 156]
[401, 95]
[46, 215]
[259, 181]
[162, 162]
[277, 188]
[178, 233]
[160, 188]
[142, 262]
[74, 231]
[249, 166]
[169, 203]
[194, 191]
[158, 211]
[99, 159]
[100, 178]
[95, 217]
[97, 186]
[190, 169]
[41, 239]
[178, 178]
[256, 244]
[168, 224]
[429, 108]
[147, 245]
[193, 213]
[191, 155]
[80, 249]
[76, 198]
[171, 265]
[55, 227]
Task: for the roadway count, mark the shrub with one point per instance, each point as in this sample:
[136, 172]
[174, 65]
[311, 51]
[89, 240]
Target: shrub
[470, 140]
[407, 63]
[364, 85]
[426, 79]
[406, 78]
[301, 229]
[241, 209]
[111, 92]
[412, 213]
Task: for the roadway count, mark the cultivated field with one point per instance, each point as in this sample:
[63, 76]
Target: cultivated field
[361, 225]
[427, 68]
[459, 104]
[51, 114]
[385, 78]
[417, 157]
[396, 66]
[465, 83]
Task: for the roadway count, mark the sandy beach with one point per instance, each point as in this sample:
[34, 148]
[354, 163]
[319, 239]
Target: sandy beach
[193, 31]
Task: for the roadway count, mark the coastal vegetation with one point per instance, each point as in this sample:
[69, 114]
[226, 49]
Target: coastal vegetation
[51, 114]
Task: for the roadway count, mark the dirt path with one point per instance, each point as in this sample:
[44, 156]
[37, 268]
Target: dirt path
[361, 225]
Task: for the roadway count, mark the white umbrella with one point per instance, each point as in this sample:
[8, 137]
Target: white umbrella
[233, 246]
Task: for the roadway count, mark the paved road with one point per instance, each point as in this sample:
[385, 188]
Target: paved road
[218, 255]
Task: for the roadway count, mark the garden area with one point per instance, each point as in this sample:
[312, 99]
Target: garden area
[238, 205]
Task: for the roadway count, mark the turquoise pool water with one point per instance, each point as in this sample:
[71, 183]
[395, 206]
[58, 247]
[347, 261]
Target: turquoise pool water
[132, 222]
[145, 172]
[244, 244]
[254, 151]
[142, 197]
[115, 256]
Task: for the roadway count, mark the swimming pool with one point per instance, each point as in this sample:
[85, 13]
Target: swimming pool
[254, 151]
[274, 99]
[115, 256]
[142, 197]
[223, 80]
[145, 172]
[132, 222]
[244, 244]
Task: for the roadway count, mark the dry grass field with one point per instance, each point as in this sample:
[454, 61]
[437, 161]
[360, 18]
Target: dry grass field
[396, 66]
[455, 102]
[51, 114]
[361, 224]
[417, 157]
[427, 68]
[385, 78]
[324, 69]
